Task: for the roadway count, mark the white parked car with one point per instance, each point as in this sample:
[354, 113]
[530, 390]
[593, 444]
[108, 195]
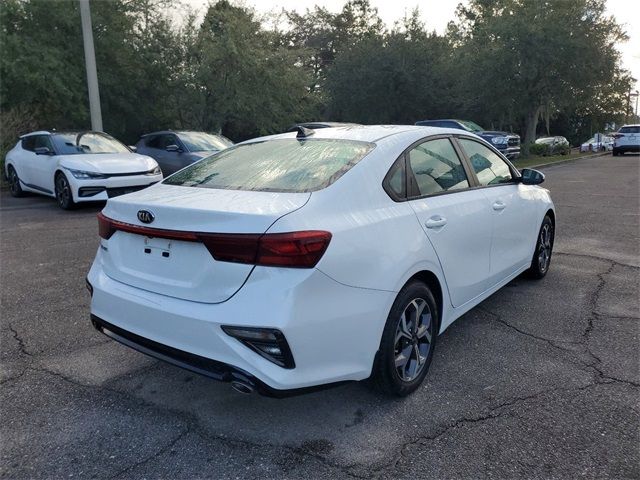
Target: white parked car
[301, 260]
[598, 143]
[77, 167]
[627, 139]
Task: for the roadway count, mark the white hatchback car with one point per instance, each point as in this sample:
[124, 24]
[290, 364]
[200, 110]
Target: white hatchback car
[77, 167]
[302, 260]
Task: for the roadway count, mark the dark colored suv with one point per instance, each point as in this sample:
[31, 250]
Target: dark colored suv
[507, 143]
[175, 150]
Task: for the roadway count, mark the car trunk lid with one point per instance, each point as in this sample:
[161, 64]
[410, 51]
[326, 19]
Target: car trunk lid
[164, 257]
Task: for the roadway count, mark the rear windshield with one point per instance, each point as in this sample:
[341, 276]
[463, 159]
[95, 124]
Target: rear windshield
[204, 142]
[285, 165]
[630, 130]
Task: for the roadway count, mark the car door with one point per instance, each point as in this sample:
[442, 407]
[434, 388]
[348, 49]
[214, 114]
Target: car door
[155, 149]
[43, 165]
[455, 218]
[25, 159]
[512, 207]
[177, 159]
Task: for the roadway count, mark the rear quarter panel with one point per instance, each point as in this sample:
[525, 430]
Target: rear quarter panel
[376, 243]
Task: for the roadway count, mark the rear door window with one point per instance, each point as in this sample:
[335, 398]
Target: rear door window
[283, 165]
[43, 141]
[489, 167]
[161, 142]
[28, 143]
[436, 167]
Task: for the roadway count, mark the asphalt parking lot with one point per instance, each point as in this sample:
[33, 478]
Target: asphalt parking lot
[539, 381]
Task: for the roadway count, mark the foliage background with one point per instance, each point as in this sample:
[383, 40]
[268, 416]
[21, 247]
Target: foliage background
[530, 67]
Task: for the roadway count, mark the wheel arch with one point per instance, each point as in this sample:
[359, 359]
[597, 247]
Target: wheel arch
[552, 215]
[431, 280]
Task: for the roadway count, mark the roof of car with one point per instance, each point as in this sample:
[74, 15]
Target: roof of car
[367, 133]
[62, 132]
[163, 132]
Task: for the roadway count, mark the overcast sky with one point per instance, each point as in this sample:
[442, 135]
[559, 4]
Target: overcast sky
[437, 13]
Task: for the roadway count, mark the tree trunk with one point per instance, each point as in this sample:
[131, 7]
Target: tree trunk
[530, 125]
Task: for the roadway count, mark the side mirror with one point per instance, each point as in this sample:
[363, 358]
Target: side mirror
[43, 151]
[173, 148]
[133, 148]
[532, 177]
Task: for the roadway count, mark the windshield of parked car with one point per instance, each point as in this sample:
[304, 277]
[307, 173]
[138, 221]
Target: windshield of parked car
[90, 142]
[632, 129]
[471, 126]
[204, 142]
[545, 140]
[283, 165]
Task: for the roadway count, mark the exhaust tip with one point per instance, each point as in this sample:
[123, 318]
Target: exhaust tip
[242, 387]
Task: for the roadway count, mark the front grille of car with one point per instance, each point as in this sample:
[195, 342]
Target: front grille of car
[115, 192]
[513, 141]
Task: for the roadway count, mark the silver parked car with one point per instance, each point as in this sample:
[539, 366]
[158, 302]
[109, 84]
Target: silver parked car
[175, 150]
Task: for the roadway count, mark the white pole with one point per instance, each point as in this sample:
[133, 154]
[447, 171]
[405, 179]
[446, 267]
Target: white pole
[90, 63]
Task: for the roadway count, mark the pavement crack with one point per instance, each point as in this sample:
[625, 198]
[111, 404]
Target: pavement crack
[595, 298]
[21, 345]
[595, 257]
[153, 456]
[553, 343]
[497, 411]
[14, 377]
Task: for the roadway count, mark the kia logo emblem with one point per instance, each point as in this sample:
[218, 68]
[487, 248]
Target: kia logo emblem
[145, 216]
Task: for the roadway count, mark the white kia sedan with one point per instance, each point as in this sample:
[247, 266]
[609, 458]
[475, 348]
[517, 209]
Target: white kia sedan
[77, 167]
[306, 259]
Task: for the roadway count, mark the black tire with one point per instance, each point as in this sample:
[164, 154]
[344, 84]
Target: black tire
[541, 260]
[615, 153]
[14, 182]
[63, 192]
[389, 377]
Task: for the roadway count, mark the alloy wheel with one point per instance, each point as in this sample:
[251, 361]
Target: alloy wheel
[63, 191]
[413, 339]
[544, 247]
[14, 183]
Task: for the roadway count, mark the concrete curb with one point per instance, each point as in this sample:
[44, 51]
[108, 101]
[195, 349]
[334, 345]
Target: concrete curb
[569, 160]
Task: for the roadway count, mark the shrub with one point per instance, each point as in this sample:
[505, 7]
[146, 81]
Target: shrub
[15, 122]
[539, 149]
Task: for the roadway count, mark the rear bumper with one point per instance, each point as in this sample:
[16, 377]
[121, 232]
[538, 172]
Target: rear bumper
[195, 363]
[626, 148]
[333, 330]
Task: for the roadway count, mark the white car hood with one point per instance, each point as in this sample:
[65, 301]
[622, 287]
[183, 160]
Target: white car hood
[108, 162]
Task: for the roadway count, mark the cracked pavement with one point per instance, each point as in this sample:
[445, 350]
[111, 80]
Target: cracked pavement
[539, 381]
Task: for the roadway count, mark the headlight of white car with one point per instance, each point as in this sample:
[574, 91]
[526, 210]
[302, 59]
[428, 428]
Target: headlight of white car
[155, 171]
[81, 174]
[499, 140]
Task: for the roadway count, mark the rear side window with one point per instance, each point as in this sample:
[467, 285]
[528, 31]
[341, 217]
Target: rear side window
[629, 130]
[284, 165]
[436, 167]
[43, 141]
[28, 143]
[161, 142]
[489, 167]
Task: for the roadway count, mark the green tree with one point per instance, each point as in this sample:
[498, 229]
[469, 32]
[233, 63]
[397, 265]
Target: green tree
[399, 77]
[518, 59]
[244, 82]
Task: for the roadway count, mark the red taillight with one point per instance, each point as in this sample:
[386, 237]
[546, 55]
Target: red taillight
[292, 249]
[105, 227]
